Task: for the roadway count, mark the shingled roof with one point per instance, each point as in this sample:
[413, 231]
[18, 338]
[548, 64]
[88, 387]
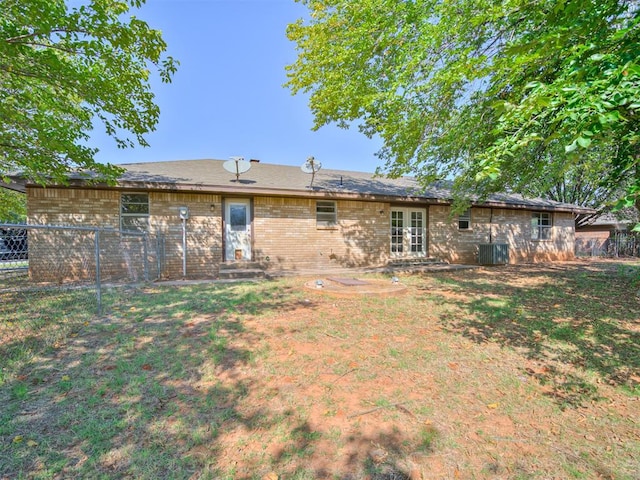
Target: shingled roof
[282, 180]
[209, 175]
[272, 179]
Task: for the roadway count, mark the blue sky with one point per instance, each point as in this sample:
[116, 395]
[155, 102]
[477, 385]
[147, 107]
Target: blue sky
[227, 97]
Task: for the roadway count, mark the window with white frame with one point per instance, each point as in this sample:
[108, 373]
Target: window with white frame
[134, 212]
[541, 223]
[326, 213]
[464, 220]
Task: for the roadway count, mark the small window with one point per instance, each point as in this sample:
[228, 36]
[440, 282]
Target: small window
[238, 218]
[134, 212]
[326, 213]
[541, 226]
[464, 220]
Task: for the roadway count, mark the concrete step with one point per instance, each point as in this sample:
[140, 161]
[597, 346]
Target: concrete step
[413, 262]
[241, 265]
[409, 265]
[240, 273]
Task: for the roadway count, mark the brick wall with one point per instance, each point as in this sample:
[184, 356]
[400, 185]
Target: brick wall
[101, 208]
[512, 227]
[285, 234]
[448, 243]
[204, 232]
[63, 206]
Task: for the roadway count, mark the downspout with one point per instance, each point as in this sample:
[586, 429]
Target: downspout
[491, 225]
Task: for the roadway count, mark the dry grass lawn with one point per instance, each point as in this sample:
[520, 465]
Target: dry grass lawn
[510, 372]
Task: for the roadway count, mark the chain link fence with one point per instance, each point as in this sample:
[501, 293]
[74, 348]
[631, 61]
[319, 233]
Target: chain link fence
[52, 280]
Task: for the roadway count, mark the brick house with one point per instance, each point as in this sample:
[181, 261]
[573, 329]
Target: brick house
[273, 216]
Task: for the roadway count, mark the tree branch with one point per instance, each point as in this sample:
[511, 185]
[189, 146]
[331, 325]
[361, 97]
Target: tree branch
[52, 46]
[19, 38]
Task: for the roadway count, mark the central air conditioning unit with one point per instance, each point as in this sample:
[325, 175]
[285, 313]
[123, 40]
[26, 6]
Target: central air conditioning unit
[493, 254]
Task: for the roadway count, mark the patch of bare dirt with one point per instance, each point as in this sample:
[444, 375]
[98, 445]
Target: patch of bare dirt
[365, 391]
[354, 287]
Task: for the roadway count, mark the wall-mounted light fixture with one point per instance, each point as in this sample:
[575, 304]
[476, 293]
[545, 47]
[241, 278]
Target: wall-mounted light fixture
[212, 207]
[183, 212]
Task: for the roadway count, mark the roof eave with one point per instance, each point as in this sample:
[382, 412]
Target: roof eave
[343, 195]
[271, 192]
[297, 193]
[575, 209]
[16, 184]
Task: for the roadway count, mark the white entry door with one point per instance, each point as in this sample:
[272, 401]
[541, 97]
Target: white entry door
[408, 232]
[237, 230]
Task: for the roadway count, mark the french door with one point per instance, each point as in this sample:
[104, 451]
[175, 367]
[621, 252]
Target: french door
[408, 232]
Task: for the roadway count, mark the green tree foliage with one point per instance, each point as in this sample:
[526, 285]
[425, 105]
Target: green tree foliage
[13, 206]
[500, 95]
[582, 183]
[64, 70]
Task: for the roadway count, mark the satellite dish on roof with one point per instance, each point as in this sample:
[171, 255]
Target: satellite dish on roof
[236, 165]
[311, 166]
